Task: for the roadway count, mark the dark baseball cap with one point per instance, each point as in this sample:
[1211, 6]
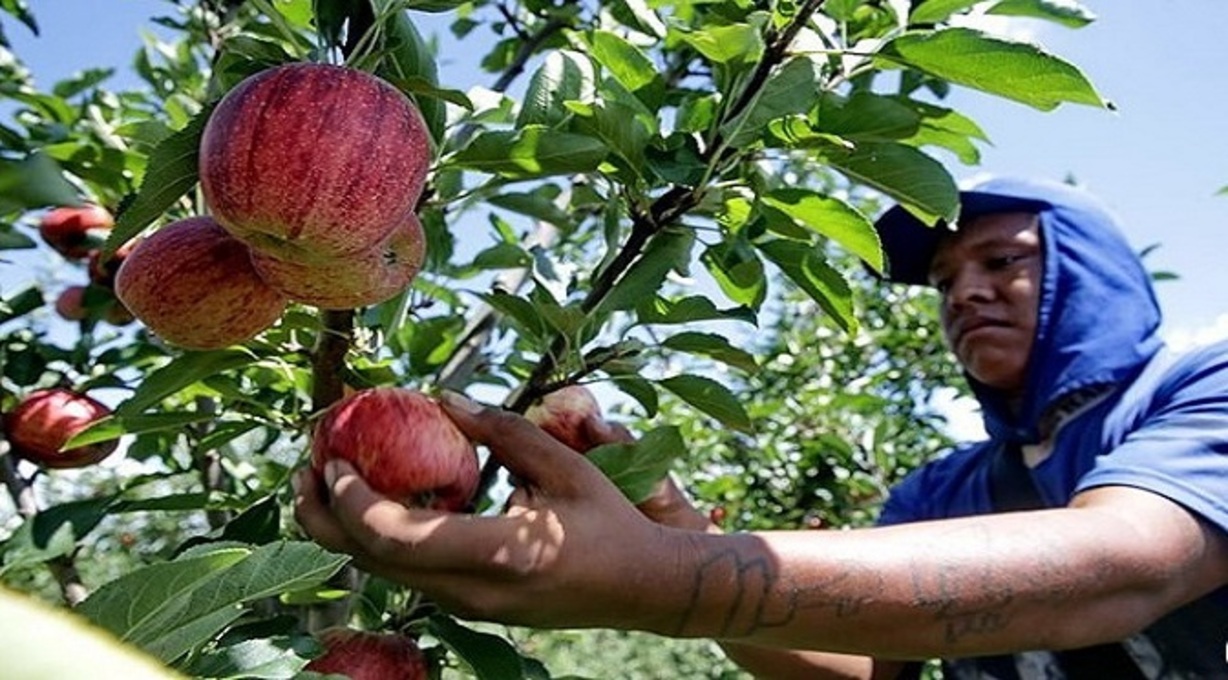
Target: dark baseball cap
[909, 244]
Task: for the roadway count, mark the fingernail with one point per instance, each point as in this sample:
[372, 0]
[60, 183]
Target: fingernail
[460, 402]
[331, 472]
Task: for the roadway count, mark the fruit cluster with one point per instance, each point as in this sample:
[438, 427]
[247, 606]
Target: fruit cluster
[77, 233]
[312, 174]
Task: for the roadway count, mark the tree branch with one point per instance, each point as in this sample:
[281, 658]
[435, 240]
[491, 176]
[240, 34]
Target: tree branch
[22, 492]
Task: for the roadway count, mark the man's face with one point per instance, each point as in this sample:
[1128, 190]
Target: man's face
[989, 276]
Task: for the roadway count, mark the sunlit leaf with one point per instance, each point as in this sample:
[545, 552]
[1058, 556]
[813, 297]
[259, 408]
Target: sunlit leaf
[1020, 71]
[1066, 12]
[832, 218]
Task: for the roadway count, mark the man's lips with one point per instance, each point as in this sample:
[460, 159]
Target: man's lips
[963, 327]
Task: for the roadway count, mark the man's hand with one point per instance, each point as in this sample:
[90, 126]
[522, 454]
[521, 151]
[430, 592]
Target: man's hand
[564, 552]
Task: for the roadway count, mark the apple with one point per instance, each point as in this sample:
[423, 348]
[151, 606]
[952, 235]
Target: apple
[39, 426]
[313, 161]
[363, 279]
[193, 285]
[366, 655]
[403, 443]
[73, 231]
[562, 413]
[70, 304]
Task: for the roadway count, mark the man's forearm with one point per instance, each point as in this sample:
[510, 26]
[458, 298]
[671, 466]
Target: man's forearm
[942, 589]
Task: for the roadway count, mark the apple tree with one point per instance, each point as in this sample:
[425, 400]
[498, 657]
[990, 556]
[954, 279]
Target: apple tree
[667, 202]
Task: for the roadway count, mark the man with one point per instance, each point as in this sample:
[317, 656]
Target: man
[1108, 450]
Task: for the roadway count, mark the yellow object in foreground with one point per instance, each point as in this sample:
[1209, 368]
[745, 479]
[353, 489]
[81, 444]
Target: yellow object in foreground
[45, 643]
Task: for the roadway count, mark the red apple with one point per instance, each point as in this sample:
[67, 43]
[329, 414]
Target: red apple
[194, 286]
[46, 419]
[70, 304]
[73, 231]
[363, 279]
[313, 161]
[364, 655]
[562, 413]
[403, 443]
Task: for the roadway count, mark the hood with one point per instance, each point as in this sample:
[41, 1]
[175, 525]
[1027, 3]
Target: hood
[1098, 314]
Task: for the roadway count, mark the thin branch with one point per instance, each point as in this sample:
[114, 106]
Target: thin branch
[328, 357]
[778, 46]
[62, 567]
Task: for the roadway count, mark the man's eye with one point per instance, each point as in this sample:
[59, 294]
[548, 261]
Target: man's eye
[1004, 261]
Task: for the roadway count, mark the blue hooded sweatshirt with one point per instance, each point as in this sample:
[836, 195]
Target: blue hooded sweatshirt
[1109, 402]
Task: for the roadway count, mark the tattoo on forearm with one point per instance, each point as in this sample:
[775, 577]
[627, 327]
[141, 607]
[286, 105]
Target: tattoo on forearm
[741, 589]
[753, 595]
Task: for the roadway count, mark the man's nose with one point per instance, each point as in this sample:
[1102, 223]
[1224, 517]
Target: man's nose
[968, 285]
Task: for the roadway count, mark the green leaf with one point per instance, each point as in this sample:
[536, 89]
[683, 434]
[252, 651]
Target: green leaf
[905, 174]
[532, 152]
[409, 61]
[1065, 12]
[629, 66]
[490, 657]
[53, 532]
[832, 218]
[1019, 71]
[566, 320]
[564, 76]
[738, 272]
[33, 182]
[522, 312]
[276, 657]
[789, 90]
[539, 204]
[949, 130]
[806, 267]
[730, 44]
[936, 11]
[714, 346]
[620, 128]
[11, 239]
[502, 256]
[114, 427]
[636, 467]
[710, 397]
[640, 390]
[659, 310]
[257, 525]
[185, 370]
[170, 608]
[171, 173]
[670, 249]
[866, 116]
[28, 300]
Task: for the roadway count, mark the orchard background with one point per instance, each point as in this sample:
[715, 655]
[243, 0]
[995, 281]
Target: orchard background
[668, 202]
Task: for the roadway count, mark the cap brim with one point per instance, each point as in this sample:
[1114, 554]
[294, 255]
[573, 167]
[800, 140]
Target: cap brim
[909, 244]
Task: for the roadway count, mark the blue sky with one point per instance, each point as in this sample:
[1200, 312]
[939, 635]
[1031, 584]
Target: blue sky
[1158, 161]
